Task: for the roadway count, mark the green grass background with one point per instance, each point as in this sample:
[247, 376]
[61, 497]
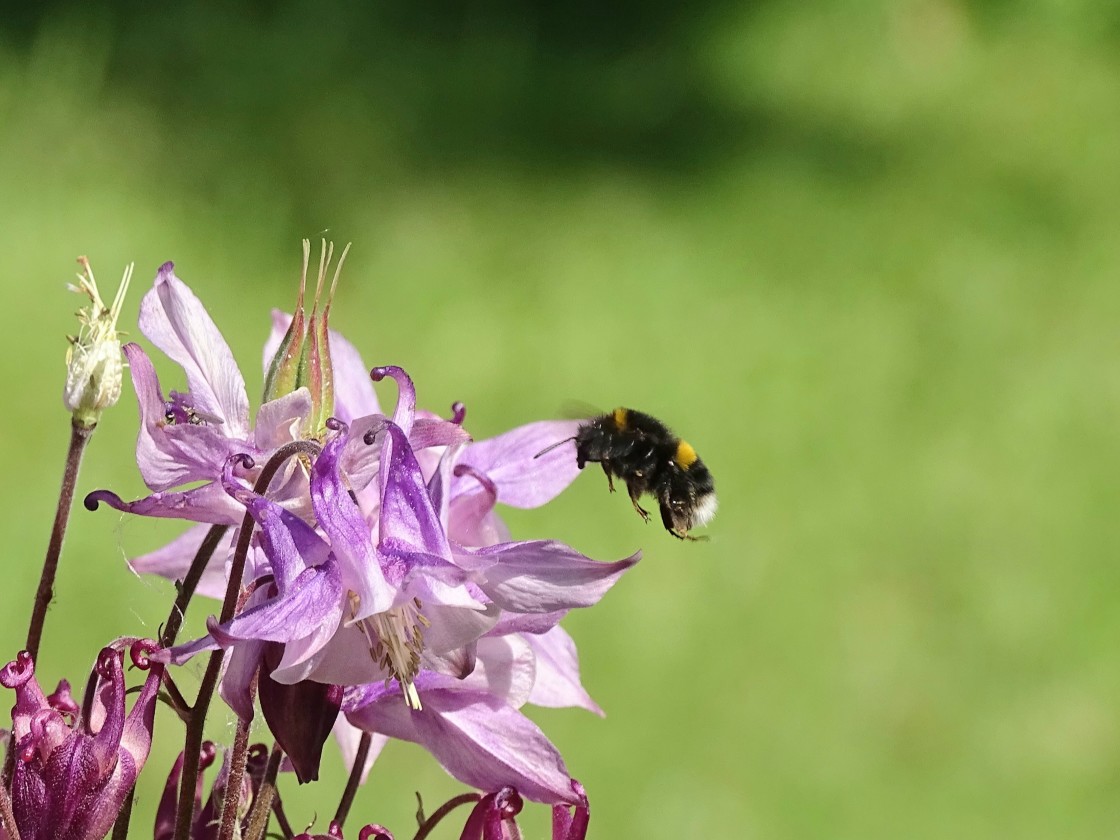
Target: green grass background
[862, 254]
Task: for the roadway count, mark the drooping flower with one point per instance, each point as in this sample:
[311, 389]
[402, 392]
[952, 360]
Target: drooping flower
[74, 767]
[93, 362]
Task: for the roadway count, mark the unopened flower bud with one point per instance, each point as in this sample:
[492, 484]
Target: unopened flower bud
[93, 361]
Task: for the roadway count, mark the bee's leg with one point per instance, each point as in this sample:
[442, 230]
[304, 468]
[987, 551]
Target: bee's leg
[635, 494]
[610, 478]
[680, 534]
[667, 521]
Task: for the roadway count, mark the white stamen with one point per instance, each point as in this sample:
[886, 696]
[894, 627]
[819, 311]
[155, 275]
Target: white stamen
[396, 640]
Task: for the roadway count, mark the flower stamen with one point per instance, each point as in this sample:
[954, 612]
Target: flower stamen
[396, 640]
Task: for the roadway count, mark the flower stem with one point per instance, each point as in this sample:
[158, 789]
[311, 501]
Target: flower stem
[230, 805]
[281, 817]
[266, 795]
[184, 815]
[7, 817]
[124, 816]
[351, 789]
[79, 437]
[443, 810]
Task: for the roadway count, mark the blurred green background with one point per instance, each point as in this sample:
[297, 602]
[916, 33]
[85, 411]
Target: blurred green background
[861, 254]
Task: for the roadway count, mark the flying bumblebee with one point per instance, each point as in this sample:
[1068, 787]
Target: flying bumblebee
[647, 457]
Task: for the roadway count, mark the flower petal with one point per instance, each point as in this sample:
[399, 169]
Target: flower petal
[557, 683]
[312, 601]
[349, 535]
[171, 454]
[505, 667]
[175, 320]
[348, 737]
[408, 520]
[344, 660]
[510, 460]
[208, 503]
[282, 420]
[173, 560]
[480, 740]
[542, 575]
[240, 670]
[471, 520]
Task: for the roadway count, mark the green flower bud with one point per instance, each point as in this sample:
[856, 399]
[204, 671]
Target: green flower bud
[93, 362]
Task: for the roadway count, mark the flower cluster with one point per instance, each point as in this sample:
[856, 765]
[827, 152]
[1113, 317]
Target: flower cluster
[371, 589]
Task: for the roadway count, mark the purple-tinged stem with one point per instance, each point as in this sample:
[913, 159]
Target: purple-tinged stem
[7, 817]
[124, 816]
[79, 437]
[238, 753]
[351, 789]
[266, 794]
[282, 818]
[442, 811]
[184, 814]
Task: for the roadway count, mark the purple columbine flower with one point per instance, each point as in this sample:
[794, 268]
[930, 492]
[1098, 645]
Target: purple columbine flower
[189, 437]
[378, 605]
[73, 767]
[363, 606]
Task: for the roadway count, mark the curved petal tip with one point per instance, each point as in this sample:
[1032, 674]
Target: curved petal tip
[94, 499]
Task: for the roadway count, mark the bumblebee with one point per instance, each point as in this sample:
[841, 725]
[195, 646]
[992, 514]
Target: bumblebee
[647, 457]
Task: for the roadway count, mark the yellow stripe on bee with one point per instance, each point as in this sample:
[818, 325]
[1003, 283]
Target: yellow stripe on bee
[686, 455]
[620, 419]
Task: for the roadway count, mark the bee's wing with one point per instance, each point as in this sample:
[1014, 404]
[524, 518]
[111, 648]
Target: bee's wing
[579, 410]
